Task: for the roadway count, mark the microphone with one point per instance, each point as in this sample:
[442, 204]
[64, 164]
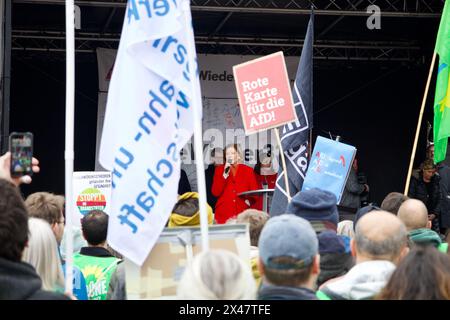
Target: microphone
[228, 166]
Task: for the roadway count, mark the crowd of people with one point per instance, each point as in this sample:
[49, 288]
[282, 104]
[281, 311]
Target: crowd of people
[393, 252]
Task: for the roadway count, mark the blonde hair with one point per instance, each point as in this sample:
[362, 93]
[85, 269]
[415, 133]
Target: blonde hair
[238, 150]
[45, 205]
[42, 254]
[217, 275]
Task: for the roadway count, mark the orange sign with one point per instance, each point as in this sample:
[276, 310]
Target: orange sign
[264, 93]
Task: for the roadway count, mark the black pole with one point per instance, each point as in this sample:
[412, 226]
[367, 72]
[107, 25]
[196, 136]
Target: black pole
[6, 77]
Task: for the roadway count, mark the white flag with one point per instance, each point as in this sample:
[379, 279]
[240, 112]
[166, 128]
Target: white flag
[149, 118]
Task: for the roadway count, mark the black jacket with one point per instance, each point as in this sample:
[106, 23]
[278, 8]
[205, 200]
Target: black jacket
[428, 193]
[271, 292]
[351, 197]
[183, 185]
[98, 252]
[19, 281]
[444, 206]
[209, 177]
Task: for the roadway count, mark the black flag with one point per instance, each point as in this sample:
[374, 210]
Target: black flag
[295, 136]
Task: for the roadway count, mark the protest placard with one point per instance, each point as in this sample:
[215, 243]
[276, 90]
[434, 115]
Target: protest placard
[91, 191]
[330, 166]
[159, 275]
[264, 93]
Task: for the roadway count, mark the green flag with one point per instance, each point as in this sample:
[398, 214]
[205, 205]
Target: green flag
[441, 130]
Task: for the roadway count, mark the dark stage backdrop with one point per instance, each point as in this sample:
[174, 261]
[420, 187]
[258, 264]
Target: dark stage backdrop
[38, 105]
[373, 107]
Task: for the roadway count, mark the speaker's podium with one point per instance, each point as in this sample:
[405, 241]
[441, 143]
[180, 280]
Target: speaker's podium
[265, 193]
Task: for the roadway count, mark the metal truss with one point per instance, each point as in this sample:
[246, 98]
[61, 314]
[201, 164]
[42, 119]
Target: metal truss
[28, 41]
[389, 8]
[54, 41]
[323, 50]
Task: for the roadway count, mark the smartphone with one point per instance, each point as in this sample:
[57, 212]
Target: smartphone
[21, 148]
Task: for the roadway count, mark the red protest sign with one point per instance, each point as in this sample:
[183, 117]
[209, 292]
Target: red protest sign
[264, 93]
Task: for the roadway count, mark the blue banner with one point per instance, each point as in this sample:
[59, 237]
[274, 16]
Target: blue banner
[330, 165]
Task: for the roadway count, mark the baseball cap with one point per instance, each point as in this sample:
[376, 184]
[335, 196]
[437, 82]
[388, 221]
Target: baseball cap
[287, 235]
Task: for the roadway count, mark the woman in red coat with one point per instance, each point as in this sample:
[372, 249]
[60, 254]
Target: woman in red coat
[231, 179]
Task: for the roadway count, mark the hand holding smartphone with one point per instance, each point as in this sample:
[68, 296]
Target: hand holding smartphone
[21, 148]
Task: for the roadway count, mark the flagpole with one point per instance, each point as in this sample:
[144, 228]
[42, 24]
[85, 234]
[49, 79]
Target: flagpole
[283, 162]
[411, 162]
[310, 145]
[69, 152]
[198, 136]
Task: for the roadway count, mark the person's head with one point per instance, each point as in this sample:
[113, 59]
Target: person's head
[362, 212]
[217, 156]
[424, 274]
[335, 261]
[187, 205]
[379, 235]
[317, 206]
[233, 152]
[345, 228]
[414, 215]
[428, 169]
[232, 220]
[13, 222]
[263, 164]
[94, 227]
[42, 253]
[330, 242]
[256, 220]
[49, 207]
[265, 158]
[393, 201]
[430, 151]
[186, 211]
[288, 252]
[217, 275]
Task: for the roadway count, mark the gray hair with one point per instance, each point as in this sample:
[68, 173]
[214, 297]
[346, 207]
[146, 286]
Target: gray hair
[217, 275]
[390, 246]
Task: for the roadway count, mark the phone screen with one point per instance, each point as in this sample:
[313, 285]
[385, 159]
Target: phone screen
[21, 147]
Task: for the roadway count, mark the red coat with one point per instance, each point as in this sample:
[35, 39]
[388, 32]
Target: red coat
[229, 204]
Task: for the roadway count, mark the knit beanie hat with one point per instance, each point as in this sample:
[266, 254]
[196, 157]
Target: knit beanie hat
[316, 205]
[330, 242]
